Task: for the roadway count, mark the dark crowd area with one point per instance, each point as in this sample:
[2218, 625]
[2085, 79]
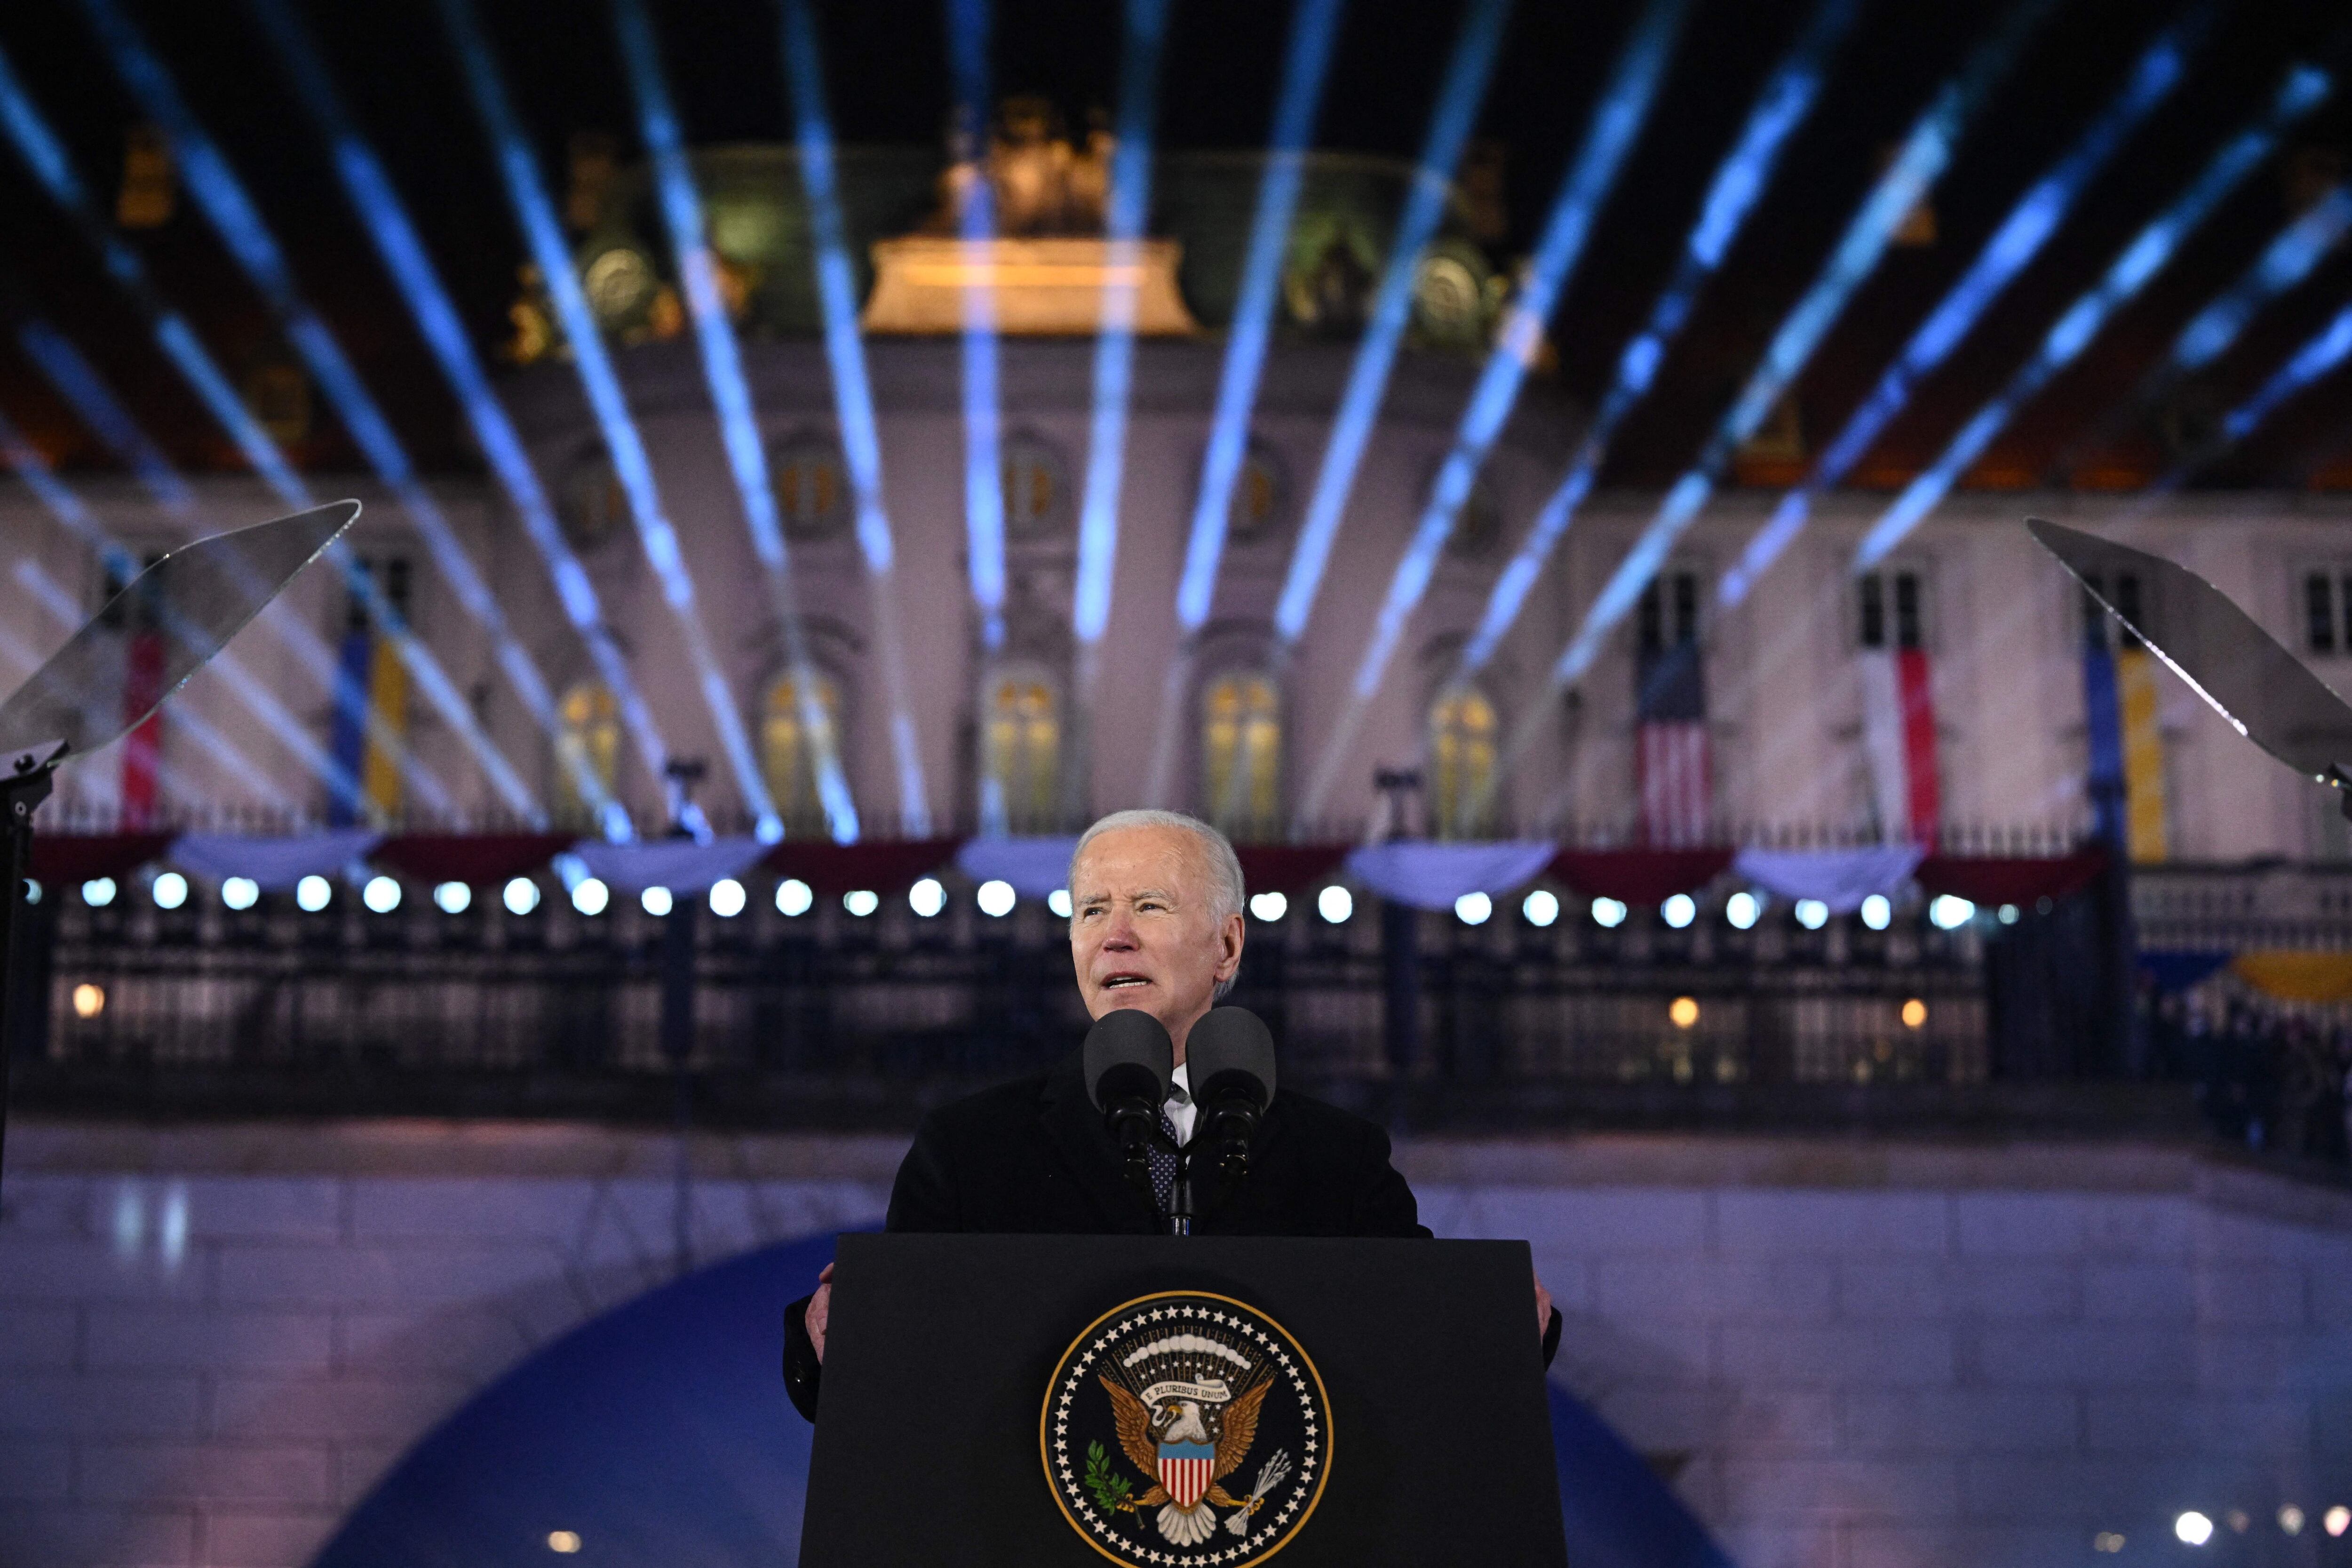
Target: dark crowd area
[2273, 1080]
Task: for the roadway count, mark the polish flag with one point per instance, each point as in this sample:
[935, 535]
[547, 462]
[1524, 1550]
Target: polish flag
[1898, 734]
[143, 749]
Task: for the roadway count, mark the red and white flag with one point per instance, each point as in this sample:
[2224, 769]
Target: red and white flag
[1898, 737]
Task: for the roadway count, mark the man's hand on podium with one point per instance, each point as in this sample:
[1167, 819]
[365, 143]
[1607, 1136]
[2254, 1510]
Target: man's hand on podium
[822, 1302]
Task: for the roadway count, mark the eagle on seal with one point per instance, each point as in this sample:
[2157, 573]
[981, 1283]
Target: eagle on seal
[1231, 1427]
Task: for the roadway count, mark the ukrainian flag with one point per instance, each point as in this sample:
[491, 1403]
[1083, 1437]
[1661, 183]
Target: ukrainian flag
[371, 726]
[2119, 700]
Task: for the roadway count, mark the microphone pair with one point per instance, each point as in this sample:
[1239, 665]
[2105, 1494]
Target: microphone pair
[1228, 1058]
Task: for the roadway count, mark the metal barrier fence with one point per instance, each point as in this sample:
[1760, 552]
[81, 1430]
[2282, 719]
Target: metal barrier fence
[831, 1018]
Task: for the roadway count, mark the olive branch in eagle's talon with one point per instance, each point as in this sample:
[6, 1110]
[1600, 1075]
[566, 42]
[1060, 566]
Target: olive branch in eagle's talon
[1110, 1490]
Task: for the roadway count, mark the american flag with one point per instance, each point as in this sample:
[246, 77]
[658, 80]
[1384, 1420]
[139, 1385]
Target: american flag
[1672, 767]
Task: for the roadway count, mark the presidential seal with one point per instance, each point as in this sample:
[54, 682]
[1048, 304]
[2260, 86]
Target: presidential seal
[1183, 1428]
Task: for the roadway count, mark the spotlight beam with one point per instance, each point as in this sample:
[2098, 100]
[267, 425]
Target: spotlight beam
[77, 381]
[1918, 159]
[2303, 90]
[45, 156]
[94, 403]
[1130, 204]
[2319, 355]
[2019, 238]
[1617, 122]
[1739, 182]
[1352, 427]
[535, 214]
[2284, 263]
[853, 399]
[969, 25]
[241, 231]
[1305, 66]
[26, 462]
[64, 609]
[369, 188]
[730, 394]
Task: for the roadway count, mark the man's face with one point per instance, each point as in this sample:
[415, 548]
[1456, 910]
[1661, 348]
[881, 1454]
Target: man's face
[1143, 930]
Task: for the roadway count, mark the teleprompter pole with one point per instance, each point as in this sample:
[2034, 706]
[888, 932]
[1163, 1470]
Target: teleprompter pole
[27, 785]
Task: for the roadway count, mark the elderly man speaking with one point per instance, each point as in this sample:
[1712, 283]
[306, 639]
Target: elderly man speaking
[1155, 923]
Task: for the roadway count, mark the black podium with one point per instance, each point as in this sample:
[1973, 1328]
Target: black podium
[1047, 1399]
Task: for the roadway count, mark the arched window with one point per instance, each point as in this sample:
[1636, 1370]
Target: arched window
[591, 506]
[1021, 748]
[1462, 758]
[1034, 492]
[1260, 496]
[1241, 755]
[587, 751]
[793, 743]
[811, 488]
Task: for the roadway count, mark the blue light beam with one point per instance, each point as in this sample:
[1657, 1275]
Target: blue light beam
[853, 398]
[26, 462]
[1617, 121]
[2303, 90]
[242, 231]
[1305, 66]
[1130, 205]
[2286, 261]
[535, 214]
[79, 382]
[1352, 428]
[1740, 180]
[68, 615]
[2320, 354]
[969, 25]
[2019, 238]
[37, 145]
[730, 394]
[1921, 158]
[369, 188]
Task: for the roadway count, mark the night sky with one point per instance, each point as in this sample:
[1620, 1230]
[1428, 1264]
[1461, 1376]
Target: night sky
[887, 71]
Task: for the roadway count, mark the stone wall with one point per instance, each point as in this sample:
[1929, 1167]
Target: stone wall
[212, 1340]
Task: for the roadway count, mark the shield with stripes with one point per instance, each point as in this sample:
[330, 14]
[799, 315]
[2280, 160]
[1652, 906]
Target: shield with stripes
[1186, 1469]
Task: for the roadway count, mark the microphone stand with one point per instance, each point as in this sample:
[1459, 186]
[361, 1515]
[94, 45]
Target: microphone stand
[1180, 1196]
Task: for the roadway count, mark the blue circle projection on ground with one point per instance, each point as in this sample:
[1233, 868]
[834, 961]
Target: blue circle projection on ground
[660, 1433]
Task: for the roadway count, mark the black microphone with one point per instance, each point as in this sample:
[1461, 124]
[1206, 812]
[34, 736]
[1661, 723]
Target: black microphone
[1229, 1062]
[1127, 1059]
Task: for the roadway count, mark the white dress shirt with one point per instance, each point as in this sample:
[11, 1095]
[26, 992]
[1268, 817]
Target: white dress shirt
[1181, 1111]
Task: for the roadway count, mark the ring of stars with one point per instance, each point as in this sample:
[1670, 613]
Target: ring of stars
[1240, 1332]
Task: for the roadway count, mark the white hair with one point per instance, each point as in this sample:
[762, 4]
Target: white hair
[1217, 856]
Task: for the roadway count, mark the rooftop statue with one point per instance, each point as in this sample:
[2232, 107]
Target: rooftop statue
[1045, 266]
